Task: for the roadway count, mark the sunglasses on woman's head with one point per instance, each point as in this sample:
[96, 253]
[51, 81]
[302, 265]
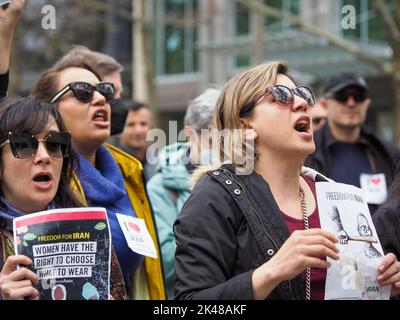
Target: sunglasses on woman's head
[84, 91]
[283, 95]
[25, 145]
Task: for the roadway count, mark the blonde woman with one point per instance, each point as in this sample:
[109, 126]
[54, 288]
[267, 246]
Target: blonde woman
[257, 235]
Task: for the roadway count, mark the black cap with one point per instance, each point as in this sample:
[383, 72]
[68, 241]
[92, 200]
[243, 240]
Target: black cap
[343, 80]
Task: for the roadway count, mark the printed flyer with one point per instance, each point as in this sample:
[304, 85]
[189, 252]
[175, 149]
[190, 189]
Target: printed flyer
[70, 250]
[344, 211]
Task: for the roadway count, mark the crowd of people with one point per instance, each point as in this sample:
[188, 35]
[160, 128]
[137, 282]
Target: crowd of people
[218, 233]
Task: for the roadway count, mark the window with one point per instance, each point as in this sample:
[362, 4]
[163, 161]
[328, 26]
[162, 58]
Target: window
[243, 22]
[175, 36]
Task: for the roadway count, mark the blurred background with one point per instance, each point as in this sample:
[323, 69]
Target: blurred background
[173, 49]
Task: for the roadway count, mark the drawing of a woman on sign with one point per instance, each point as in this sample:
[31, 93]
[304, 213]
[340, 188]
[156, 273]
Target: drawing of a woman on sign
[365, 233]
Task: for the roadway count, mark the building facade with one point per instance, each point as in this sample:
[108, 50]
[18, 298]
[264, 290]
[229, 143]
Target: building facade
[218, 38]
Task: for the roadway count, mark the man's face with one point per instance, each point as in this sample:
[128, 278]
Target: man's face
[138, 123]
[348, 107]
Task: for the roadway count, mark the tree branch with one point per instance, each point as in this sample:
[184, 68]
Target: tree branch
[388, 22]
[307, 27]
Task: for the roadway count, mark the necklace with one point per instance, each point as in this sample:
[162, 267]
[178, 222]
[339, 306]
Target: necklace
[306, 227]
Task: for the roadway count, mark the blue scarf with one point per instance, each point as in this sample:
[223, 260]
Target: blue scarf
[8, 213]
[104, 187]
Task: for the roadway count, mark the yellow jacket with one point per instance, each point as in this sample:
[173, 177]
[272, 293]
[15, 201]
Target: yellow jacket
[148, 280]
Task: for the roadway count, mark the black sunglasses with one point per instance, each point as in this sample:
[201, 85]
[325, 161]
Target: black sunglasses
[344, 95]
[25, 145]
[84, 91]
[282, 95]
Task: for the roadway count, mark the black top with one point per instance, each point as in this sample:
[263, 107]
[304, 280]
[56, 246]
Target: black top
[229, 226]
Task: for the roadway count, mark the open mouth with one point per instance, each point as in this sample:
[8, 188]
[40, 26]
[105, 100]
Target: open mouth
[302, 125]
[100, 115]
[42, 177]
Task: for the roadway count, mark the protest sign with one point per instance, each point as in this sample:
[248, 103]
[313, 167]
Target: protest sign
[137, 236]
[70, 250]
[343, 210]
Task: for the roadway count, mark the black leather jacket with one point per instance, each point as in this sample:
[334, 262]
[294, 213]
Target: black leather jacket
[229, 226]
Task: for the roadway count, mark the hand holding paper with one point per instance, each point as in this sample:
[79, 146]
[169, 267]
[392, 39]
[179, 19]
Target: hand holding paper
[16, 284]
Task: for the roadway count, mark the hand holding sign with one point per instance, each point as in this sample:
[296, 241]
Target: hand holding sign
[69, 251]
[16, 284]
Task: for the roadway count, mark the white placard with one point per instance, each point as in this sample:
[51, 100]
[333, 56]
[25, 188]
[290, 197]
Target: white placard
[343, 210]
[374, 187]
[137, 236]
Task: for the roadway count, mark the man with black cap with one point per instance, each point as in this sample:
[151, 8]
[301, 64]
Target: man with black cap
[344, 151]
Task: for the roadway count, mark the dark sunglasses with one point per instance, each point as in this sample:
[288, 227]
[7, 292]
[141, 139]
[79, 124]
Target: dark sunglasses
[282, 95]
[25, 145]
[344, 95]
[84, 91]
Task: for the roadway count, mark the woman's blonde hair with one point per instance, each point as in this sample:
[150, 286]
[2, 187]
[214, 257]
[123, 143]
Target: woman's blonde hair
[238, 92]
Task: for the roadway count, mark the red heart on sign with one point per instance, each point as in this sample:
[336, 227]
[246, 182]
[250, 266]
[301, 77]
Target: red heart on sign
[375, 180]
[134, 227]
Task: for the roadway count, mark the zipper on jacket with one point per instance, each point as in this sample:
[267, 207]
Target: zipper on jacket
[259, 218]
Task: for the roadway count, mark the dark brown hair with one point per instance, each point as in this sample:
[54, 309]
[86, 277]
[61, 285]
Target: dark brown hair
[31, 115]
[104, 63]
[47, 85]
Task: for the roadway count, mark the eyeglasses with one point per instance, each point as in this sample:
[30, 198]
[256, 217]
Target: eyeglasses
[344, 95]
[84, 91]
[283, 95]
[25, 145]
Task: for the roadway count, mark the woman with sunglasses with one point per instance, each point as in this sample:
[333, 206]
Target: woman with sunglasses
[255, 234]
[108, 177]
[36, 161]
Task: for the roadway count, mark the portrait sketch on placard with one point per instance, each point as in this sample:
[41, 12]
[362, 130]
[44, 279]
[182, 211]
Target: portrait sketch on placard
[343, 210]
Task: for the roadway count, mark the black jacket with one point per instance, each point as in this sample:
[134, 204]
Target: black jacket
[384, 153]
[387, 224]
[229, 226]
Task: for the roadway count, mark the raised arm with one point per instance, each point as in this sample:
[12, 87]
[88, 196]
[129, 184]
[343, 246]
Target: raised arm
[8, 20]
